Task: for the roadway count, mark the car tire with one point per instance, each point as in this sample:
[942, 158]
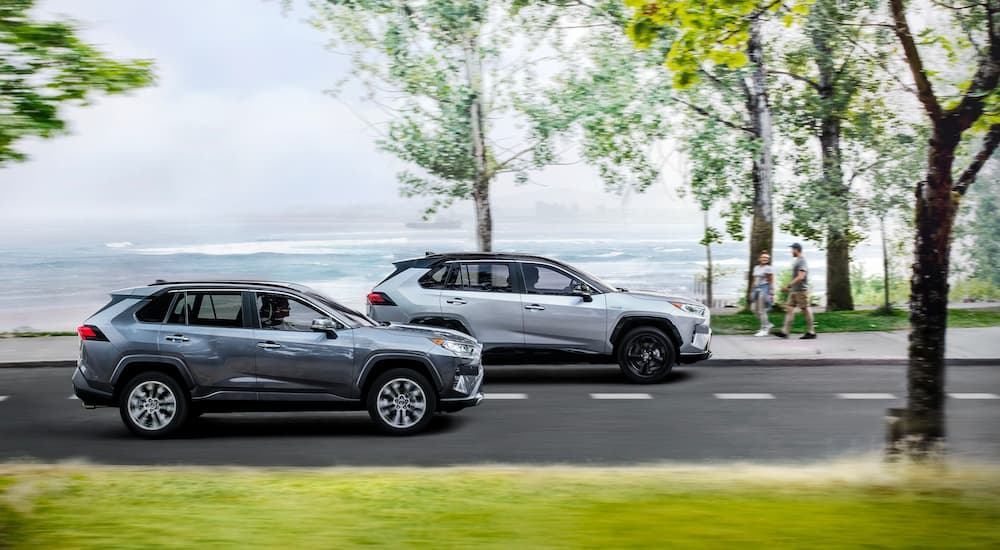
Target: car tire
[153, 405]
[401, 402]
[646, 355]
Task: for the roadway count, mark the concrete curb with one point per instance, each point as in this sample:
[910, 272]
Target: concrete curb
[712, 363]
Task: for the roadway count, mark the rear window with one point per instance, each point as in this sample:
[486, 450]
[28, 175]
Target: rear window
[156, 309]
[483, 277]
[216, 309]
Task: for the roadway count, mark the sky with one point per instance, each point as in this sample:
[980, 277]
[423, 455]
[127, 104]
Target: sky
[238, 127]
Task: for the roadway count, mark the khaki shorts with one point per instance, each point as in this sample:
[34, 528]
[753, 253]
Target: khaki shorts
[798, 298]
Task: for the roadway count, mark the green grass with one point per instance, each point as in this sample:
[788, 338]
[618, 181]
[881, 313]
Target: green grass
[868, 505]
[852, 321]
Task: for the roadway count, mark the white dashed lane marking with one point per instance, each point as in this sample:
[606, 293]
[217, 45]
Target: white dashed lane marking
[3, 398]
[620, 396]
[505, 396]
[974, 396]
[865, 396]
[744, 396]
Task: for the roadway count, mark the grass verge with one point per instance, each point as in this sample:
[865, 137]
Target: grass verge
[838, 506]
[852, 321]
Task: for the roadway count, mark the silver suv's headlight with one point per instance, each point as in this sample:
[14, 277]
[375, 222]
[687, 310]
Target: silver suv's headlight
[696, 309]
[458, 348]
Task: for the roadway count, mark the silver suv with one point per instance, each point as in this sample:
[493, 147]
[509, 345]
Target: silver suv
[520, 302]
[168, 352]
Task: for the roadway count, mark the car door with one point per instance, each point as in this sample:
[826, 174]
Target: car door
[483, 296]
[293, 359]
[556, 317]
[209, 332]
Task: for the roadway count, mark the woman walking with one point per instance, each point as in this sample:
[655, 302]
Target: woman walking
[762, 294]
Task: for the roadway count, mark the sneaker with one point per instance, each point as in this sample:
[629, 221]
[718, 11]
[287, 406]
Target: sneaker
[761, 332]
[767, 328]
[780, 334]
[808, 336]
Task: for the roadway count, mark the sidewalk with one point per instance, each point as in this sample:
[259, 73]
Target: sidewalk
[964, 346]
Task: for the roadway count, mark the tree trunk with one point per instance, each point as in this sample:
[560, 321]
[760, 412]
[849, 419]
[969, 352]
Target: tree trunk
[709, 277]
[924, 425]
[762, 230]
[885, 267]
[838, 247]
[838, 272]
[483, 177]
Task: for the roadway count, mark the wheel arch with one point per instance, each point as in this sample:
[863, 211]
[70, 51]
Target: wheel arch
[627, 323]
[132, 365]
[380, 363]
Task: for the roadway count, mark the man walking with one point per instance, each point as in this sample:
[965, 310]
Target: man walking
[798, 295]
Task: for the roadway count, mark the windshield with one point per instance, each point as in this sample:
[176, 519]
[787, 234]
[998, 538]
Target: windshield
[356, 317]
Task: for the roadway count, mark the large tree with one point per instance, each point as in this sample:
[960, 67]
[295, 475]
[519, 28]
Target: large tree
[833, 96]
[960, 110]
[724, 35]
[476, 89]
[43, 66]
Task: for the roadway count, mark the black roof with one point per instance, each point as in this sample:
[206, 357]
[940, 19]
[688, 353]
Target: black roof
[232, 282]
[435, 258]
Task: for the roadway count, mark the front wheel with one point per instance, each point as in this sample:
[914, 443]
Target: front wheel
[401, 402]
[646, 355]
[153, 405]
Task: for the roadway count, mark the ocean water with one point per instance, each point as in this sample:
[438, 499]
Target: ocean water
[55, 285]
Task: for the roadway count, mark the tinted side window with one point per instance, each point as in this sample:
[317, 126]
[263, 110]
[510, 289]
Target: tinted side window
[434, 278]
[485, 277]
[182, 307]
[216, 309]
[539, 279]
[156, 310]
[279, 312]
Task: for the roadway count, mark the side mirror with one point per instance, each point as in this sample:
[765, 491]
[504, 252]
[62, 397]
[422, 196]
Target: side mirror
[325, 325]
[583, 291]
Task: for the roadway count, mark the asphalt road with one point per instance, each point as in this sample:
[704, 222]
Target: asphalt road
[533, 414]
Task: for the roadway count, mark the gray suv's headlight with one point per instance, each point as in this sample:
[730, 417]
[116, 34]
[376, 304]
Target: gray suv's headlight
[696, 309]
[458, 348]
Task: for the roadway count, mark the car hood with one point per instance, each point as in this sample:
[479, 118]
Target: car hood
[427, 332]
[659, 296]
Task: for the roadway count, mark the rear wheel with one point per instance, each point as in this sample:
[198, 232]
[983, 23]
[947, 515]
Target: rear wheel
[646, 355]
[153, 405]
[401, 402]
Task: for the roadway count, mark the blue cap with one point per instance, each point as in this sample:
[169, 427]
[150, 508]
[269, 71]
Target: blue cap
[797, 246]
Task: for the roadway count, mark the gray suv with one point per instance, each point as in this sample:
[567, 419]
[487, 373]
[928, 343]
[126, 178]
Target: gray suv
[521, 302]
[168, 352]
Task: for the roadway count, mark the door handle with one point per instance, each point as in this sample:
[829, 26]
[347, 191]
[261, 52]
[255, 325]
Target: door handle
[535, 307]
[456, 301]
[268, 345]
[177, 338]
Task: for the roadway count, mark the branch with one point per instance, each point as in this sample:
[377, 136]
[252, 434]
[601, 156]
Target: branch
[709, 115]
[987, 76]
[924, 89]
[807, 80]
[502, 165]
[990, 143]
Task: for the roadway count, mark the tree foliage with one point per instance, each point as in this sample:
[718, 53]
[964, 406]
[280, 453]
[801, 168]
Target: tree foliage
[713, 31]
[44, 66]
